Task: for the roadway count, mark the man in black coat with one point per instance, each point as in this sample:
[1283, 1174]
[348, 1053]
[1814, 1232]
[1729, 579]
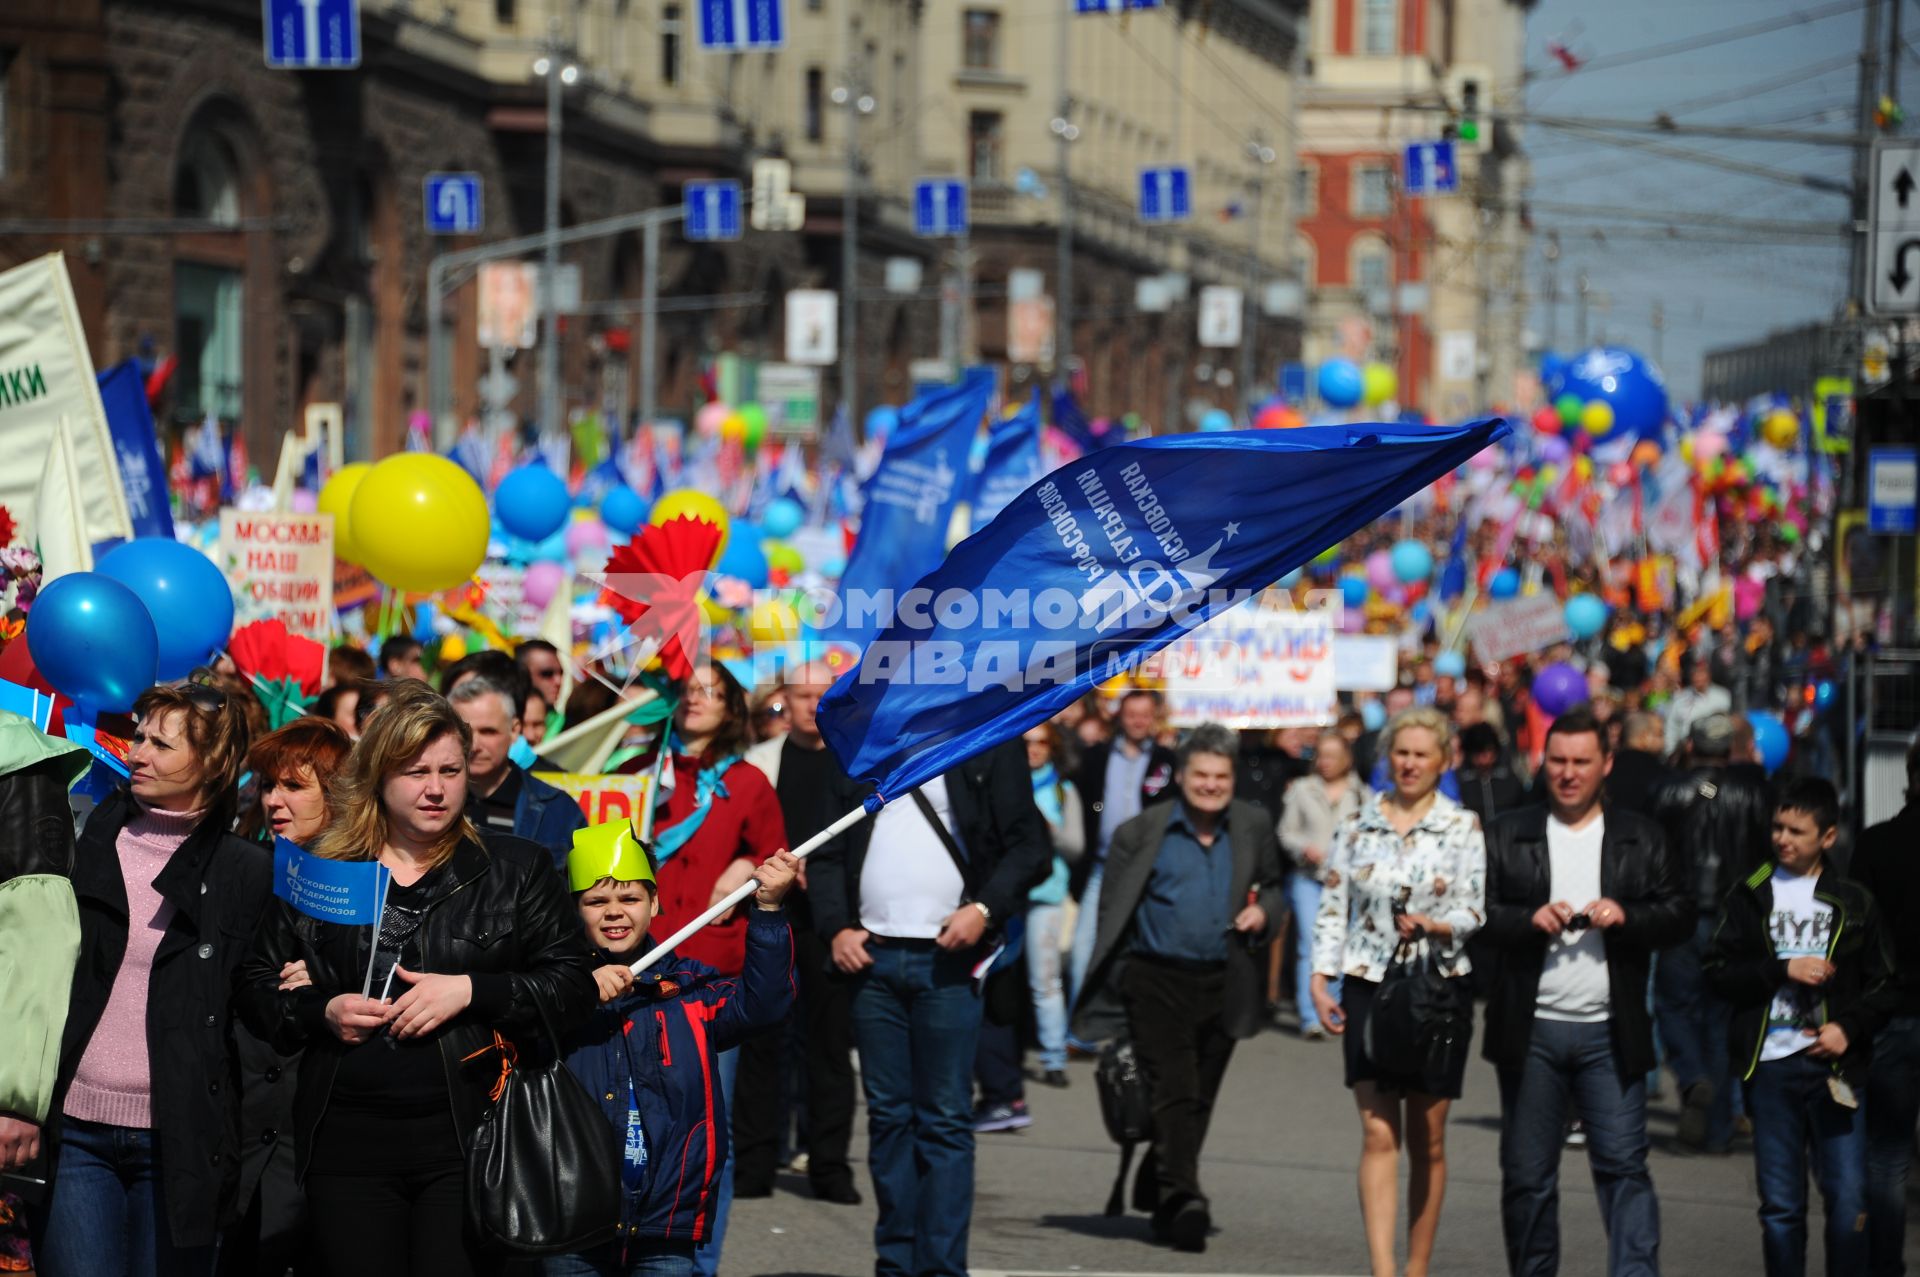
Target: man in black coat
[952, 864]
[1488, 786]
[1639, 773]
[1193, 887]
[1578, 898]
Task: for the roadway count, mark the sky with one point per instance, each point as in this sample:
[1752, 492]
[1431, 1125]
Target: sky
[1721, 288]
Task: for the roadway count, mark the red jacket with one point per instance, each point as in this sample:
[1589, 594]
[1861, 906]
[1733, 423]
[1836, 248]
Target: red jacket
[746, 823]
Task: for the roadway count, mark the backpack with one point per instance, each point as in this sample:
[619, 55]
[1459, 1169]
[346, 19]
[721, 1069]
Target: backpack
[1126, 1106]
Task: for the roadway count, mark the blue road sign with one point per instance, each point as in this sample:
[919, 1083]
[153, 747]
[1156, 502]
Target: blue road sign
[1293, 383]
[940, 206]
[1112, 6]
[733, 25]
[452, 204]
[713, 210]
[311, 35]
[1890, 491]
[1166, 194]
[1430, 169]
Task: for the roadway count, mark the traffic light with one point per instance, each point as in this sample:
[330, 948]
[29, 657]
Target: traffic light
[1468, 130]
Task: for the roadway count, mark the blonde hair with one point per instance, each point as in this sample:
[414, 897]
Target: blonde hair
[1420, 716]
[358, 826]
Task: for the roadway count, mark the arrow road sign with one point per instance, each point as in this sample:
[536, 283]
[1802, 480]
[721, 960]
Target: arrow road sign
[452, 204]
[311, 35]
[713, 210]
[1893, 229]
[1166, 194]
[1430, 170]
[940, 206]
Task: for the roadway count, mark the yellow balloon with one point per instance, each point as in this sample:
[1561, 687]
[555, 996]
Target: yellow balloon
[694, 504]
[1379, 383]
[773, 621]
[1686, 448]
[1597, 417]
[452, 648]
[420, 522]
[336, 499]
[734, 428]
[712, 611]
[1583, 466]
[1781, 428]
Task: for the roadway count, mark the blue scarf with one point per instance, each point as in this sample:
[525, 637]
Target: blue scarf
[706, 787]
[1046, 792]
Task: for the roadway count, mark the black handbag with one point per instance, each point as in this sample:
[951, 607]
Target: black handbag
[1418, 1018]
[1126, 1106]
[543, 1168]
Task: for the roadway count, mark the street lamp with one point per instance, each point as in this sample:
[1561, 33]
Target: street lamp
[560, 75]
[858, 103]
[1263, 157]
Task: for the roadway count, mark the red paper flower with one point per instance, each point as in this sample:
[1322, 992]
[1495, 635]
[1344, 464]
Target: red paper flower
[654, 583]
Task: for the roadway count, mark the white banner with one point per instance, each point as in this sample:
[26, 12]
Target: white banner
[1365, 663]
[813, 326]
[46, 373]
[281, 565]
[1518, 627]
[1253, 668]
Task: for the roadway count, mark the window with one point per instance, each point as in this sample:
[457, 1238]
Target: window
[207, 185]
[1306, 190]
[503, 12]
[812, 108]
[670, 33]
[980, 39]
[1372, 190]
[985, 160]
[207, 318]
[1370, 265]
[1379, 25]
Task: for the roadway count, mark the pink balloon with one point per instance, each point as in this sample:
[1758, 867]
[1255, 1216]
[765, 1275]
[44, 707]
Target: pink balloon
[707, 420]
[1709, 444]
[304, 501]
[584, 535]
[543, 581]
[1485, 459]
[1380, 573]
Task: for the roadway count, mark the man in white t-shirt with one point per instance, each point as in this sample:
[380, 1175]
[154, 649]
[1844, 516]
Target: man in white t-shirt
[1578, 898]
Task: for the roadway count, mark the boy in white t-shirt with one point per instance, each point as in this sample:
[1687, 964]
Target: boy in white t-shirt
[1800, 954]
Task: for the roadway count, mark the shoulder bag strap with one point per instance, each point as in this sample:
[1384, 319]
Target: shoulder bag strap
[947, 840]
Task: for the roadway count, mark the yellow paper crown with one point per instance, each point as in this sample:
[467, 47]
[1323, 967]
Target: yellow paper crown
[607, 851]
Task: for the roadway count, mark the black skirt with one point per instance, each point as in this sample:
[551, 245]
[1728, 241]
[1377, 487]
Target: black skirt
[1441, 1079]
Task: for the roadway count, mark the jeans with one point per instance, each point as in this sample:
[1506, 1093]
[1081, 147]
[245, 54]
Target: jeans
[1693, 1025]
[1893, 1105]
[706, 1257]
[1044, 981]
[1791, 1106]
[643, 1257]
[1085, 931]
[916, 1018]
[1303, 898]
[1572, 1066]
[106, 1212]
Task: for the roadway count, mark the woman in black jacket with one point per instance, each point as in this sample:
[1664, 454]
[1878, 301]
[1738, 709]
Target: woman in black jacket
[474, 938]
[143, 1142]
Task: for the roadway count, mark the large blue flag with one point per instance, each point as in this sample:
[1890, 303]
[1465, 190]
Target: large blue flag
[910, 500]
[123, 393]
[1107, 559]
[1012, 464]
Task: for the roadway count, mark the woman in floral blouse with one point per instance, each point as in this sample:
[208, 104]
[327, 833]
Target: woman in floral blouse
[1415, 848]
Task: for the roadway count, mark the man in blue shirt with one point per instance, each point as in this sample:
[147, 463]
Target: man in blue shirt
[1192, 888]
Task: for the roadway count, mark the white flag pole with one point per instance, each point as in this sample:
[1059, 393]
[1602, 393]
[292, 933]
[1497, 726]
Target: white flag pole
[748, 887]
[373, 950]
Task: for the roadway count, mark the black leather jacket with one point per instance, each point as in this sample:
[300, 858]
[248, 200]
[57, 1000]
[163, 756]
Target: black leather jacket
[1718, 818]
[1637, 871]
[500, 914]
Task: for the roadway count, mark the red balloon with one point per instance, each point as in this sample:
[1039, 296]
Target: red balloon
[1620, 474]
[16, 666]
[1547, 421]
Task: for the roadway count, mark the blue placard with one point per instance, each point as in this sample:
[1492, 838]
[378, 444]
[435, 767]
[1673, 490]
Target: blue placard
[1891, 476]
[348, 892]
[733, 25]
[1166, 194]
[940, 206]
[453, 203]
[713, 210]
[1429, 169]
[311, 35]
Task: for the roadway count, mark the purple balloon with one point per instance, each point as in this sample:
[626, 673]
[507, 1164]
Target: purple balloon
[1558, 688]
[1380, 573]
[1554, 450]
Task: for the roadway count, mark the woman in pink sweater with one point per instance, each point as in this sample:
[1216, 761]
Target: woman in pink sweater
[143, 1145]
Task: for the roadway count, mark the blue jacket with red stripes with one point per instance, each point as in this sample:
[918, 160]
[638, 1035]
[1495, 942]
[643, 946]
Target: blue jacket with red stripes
[659, 1045]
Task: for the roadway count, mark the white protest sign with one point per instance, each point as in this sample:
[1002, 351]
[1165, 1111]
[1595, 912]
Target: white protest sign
[1252, 668]
[280, 565]
[1365, 663]
[46, 373]
[1518, 627]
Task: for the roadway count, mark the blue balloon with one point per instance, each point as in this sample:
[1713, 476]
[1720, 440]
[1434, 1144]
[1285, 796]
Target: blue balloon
[881, 421]
[189, 600]
[1823, 693]
[532, 502]
[783, 517]
[1412, 561]
[1450, 664]
[1215, 420]
[1769, 737]
[1373, 714]
[93, 640]
[1631, 386]
[622, 509]
[744, 559]
[1586, 615]
[1504, 585]
[1340, 383]
[834, 568]
[1353, 590]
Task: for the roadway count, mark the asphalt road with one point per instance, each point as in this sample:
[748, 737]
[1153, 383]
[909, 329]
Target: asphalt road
[1279, 1167]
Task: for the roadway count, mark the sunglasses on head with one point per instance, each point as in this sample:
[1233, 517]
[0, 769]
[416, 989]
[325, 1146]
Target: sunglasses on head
[203, 695]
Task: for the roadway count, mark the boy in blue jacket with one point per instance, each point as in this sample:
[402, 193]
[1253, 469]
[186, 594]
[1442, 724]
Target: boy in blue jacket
[649, 1053]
